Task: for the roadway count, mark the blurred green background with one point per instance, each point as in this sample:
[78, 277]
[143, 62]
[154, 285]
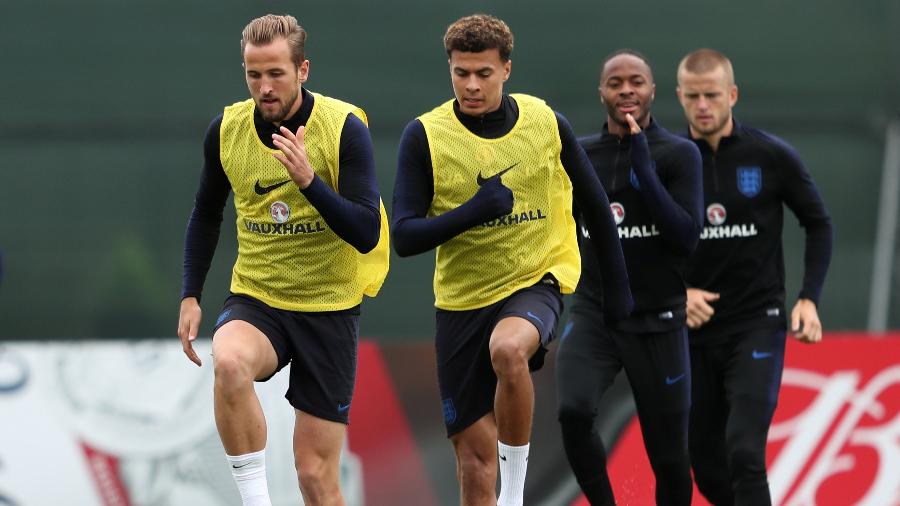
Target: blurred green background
[105, 104]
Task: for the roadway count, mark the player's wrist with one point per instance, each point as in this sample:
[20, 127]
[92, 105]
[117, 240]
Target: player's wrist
[304, 182]
[190, 300]
[807, 300]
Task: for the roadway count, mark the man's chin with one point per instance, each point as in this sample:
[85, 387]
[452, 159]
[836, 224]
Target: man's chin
[705, 129]
[620, 120]
[273, 118]
[473, 111]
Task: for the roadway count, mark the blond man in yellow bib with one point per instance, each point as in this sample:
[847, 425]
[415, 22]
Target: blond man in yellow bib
[312, 241]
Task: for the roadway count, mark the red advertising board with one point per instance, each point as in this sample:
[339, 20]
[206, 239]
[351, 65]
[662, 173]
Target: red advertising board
[835, 437]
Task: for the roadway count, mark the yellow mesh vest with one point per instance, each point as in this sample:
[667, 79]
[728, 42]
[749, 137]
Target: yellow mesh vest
[491, 261]
[288, 257]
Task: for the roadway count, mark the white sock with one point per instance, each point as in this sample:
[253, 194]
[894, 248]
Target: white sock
[513, 464]
[249, 473]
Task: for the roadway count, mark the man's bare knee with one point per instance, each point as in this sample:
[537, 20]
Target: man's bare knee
[508, 356]
[241, 354]
[231, 369]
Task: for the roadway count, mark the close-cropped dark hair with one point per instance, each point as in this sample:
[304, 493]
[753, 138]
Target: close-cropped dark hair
[477, 33]
[619, 52]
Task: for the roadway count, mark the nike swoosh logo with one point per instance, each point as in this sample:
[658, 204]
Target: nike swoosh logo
[343, 407]
[240, 466]
[676, 379]
[529, 313]
[262, 190]
[503, 458]
[481, 179]
[761, 354]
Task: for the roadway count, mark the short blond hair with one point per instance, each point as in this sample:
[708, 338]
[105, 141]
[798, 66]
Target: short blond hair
[706, 60]
[266, 29]
[477, 33]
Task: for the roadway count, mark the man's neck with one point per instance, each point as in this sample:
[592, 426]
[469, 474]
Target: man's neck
[713, 139]
[294, 108]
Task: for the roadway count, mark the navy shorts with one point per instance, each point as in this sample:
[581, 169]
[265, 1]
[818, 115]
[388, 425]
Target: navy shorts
[320, 346]
[466, 378]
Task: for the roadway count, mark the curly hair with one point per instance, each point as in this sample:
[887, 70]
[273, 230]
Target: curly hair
[477, 33]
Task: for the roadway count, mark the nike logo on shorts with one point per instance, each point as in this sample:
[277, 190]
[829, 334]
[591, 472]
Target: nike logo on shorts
[676, 379]
[532, 315]
[761, 354]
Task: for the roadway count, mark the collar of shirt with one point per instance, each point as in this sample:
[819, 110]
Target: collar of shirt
[737, 131]
[494, 124]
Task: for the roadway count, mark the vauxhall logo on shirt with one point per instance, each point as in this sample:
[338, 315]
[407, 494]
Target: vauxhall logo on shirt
[280, 212]
[716, 216]
[625, 231]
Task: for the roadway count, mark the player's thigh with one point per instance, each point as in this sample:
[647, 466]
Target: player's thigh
[755, 366]
[532, 312]
[240, 341]
[709, 406]
[708, 414]
[658, 368]
[317, 442]
[587, 361]
[324, 350]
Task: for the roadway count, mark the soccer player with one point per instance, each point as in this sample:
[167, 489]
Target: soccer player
[652, 178]
[735, 305]
[487, 179]
[307, 253]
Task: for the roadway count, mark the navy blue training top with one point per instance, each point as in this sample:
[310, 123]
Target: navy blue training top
[414, 232]
[653, 183]
[353, 212]
[740, 254]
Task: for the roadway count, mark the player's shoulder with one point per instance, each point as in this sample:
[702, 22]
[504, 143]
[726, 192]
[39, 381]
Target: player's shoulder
[444, 110]
[590, 142]
[332, 103]
[660, 134]
[767, 142]
[338, 108]
[239, 106]
[524, 98]
[662, 141]
[211, 138]
[414, 132]
[216, 122]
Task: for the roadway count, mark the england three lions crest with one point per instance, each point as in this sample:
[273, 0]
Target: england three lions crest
[749, 181]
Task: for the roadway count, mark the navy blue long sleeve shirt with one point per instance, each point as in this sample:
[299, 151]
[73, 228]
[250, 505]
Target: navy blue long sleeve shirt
[353, 212]
[740, 254]
[414, 232]
[653, 183]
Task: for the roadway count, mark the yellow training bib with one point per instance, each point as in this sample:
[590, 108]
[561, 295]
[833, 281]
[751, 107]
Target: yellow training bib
[288, 257]
[491, 261]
